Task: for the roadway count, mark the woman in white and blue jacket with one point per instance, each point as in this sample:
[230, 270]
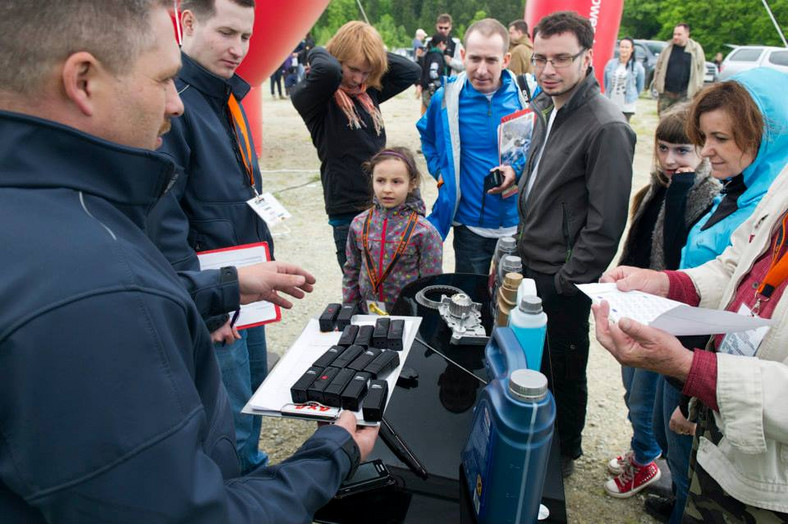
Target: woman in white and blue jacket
[624, 78]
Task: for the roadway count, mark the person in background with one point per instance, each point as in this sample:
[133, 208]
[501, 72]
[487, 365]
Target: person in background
[681, 191]
[392, 244]
[680, 69]
[520, 48]
[453, 52]
[303, 49]
[418, 41]
[339, 101]
[718, 61]
[276, 78]
[624, 78]
[433, 69]
[740, 124]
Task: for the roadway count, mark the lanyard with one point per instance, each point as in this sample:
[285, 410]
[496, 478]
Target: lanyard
[239, 124]
[376, 280]
[778, 269]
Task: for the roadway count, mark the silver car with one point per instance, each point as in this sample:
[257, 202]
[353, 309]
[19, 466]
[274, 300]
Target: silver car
[751, 56]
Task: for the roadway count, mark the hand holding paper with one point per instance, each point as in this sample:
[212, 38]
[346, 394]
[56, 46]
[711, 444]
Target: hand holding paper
[628, 278]
[636, 345]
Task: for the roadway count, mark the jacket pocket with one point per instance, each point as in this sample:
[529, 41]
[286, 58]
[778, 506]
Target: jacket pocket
[212, 234]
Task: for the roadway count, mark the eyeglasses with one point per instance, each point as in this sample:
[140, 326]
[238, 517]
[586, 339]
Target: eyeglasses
[558, 62]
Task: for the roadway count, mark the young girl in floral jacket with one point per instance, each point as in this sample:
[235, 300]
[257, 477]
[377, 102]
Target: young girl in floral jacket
[391, 244]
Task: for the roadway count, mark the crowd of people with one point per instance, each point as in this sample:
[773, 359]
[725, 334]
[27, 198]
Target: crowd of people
[120, 345]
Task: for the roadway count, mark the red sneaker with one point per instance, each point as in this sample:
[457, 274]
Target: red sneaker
[616, 465]
[632, 479]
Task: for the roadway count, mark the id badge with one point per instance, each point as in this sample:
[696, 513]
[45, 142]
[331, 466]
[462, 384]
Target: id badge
[376, 308]
[744, 343]
[267, 207]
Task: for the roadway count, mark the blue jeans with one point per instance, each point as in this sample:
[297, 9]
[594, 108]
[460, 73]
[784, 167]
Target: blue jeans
[244, 366]
[677, 447]
[641, 387]
[472, 253]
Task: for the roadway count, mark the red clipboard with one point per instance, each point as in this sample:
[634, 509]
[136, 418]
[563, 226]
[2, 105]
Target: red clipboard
[257, 313]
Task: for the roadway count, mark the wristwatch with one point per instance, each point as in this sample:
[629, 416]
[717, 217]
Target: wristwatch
[351, 450]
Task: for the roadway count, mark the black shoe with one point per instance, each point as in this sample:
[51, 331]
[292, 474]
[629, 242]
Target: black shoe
[659, 507]
[567, 465]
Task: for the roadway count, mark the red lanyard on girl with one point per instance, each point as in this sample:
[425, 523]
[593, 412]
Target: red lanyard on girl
[778, 269]
[377, 279]
[245, 145]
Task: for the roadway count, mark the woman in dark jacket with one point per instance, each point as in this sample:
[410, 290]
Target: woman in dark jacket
[339, 101]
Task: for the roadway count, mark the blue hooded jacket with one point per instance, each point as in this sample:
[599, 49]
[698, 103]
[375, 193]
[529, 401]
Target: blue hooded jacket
[441, 141]
[767, 88]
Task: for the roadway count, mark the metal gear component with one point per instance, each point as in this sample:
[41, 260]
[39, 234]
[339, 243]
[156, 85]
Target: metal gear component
[464, 317]
[422, 300]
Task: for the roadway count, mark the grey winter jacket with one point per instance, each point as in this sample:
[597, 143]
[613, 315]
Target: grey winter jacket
[573, 217]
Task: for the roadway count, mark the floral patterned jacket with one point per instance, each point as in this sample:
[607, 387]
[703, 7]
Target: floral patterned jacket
[422, 257]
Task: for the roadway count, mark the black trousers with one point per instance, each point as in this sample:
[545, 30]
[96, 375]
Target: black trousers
[566, 359]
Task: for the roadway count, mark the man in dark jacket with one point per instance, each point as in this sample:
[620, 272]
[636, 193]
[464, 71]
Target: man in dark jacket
[218, 173]
[111, 405]
[573, 205]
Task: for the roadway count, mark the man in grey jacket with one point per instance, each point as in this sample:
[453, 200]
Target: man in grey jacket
[680, 69]
[573, 205]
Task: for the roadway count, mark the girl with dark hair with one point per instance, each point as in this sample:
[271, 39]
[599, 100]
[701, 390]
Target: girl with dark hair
[391, 244]
[681, 191]
[624, 78]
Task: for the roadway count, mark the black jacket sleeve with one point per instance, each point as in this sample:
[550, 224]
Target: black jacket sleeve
[675, 227]
[310, 96]
[402, 74]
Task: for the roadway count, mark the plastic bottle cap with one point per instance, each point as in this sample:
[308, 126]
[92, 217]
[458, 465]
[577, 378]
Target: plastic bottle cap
[512, 281]
[508, 244]
[527, 385]
[531, 304]
[511, 263]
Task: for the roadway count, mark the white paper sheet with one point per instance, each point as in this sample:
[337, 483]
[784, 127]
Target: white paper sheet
[273, 399]
[256, 313]
[668, 315]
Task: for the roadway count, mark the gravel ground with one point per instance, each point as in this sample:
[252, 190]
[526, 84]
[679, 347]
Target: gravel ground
[290, 170]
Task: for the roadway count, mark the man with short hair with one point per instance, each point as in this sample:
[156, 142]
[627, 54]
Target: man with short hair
[433, 69]
[453, 52]
[573, 206]
[680, 69]
[459, 137]
[520, 48]
[111, 404]
[218, 173]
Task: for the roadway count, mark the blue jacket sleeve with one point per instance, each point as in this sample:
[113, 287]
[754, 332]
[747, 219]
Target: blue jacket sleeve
[131, 397]
[427, 126]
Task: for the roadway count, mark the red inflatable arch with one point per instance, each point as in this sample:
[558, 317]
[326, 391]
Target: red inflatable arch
[278, 27]
[605, 16]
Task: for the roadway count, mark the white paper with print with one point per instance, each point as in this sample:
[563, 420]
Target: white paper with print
[668, 315]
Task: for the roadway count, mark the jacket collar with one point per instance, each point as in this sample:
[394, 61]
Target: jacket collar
[208, 83]
[39, 154]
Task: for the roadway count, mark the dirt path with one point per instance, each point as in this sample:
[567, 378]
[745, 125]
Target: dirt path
[290, 170]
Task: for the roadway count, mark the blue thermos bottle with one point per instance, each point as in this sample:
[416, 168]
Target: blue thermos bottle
[505, 458]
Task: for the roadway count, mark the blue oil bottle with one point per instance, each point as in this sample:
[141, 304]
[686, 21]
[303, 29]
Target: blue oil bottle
[505, 458]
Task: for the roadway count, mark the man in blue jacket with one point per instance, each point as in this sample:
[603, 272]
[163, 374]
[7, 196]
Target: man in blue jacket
[111, 405]
[459, 137]
[207, 208]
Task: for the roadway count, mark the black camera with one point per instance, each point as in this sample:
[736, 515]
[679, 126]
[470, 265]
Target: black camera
[493, 179]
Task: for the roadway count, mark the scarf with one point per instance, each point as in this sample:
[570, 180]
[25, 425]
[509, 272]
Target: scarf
[343, 99]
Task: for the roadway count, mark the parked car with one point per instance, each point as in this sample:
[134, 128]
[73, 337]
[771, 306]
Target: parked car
[751, 56]
[647, 52]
